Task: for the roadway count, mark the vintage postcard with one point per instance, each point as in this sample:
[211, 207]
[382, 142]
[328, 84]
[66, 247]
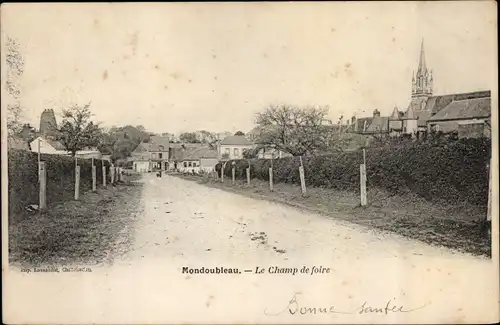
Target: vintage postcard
[251, 163]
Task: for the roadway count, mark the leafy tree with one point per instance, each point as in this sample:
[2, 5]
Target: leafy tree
[77, 130]
[239, 133]
[297, 130]
[189, 137]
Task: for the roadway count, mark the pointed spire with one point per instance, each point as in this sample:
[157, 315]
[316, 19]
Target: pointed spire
[422, 69]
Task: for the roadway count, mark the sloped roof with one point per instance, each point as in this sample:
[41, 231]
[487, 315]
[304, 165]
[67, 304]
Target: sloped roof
[236, 140]
[55, 144]
[199, 153]
[159, 140]
[186, 145]
[465, 109]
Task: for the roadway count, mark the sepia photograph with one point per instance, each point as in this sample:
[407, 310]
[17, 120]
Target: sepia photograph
[250, 162]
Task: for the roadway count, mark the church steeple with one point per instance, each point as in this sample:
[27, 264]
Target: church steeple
[422, 81]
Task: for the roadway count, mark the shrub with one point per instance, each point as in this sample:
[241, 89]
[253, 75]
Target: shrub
[23, 178]
[451, 171]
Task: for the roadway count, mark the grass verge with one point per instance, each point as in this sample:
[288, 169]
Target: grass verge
[458, 227]
[90, 231]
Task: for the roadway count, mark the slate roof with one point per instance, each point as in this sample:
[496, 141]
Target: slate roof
[199, 153]
[236, 140]
[464, 109]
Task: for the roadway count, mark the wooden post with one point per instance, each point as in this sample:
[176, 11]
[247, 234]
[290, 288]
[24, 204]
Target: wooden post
[248, 175]
[233, 171]
[42, 174]
[302, 177]
[94, 177]
[302, 180]
[103, 174]
[112, 171]
[77, 182]
[362, 173]
[39, 141]
[222, 173]
[271, 178]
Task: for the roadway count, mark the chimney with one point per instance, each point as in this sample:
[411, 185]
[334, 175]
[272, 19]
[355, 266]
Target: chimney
[376, 113]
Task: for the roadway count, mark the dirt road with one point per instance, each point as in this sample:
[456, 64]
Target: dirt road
[187, 226]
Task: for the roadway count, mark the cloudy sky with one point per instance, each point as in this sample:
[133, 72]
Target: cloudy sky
[184, 67]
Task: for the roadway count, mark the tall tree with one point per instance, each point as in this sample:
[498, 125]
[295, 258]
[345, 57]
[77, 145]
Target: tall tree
[296, 130]
[77, 130]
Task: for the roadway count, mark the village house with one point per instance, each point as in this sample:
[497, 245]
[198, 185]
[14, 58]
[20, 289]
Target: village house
[199, 160]
[152, 155]
[47, 145]
[177, 152]
[232, 147]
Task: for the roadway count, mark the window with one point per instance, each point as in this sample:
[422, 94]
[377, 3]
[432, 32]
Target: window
[236, 152]
[160, 155]
[189, 164]
[185, 164]
[227, 151]
[437, 128]
[194, 164]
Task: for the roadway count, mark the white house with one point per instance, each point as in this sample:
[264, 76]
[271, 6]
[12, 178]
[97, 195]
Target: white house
[48, 146]
[232, 147]
[200, 159]
[54, 147]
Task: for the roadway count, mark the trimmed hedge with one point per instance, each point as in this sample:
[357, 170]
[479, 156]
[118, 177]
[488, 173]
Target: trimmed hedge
[453, 172]
[23, 178]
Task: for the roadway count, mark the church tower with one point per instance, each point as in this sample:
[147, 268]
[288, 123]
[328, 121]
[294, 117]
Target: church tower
[422, 81]
[48, 124]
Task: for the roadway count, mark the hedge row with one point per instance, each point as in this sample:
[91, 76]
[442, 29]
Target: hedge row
[453, 172]
[23, 178]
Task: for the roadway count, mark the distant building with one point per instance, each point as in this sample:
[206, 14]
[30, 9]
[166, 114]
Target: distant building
[469, 114]
[48, 123]
[198, 159]
[151, 155]
[232, 147]
[47, 145]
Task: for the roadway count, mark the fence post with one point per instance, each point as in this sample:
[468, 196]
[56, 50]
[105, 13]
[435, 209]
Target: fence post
[362, 173]
[112, 171]
[233, 172]
[248, 175]
[77, 182]
[103, 174]
[270, 178]
[222, 172]
[42, 174]
[94, 177]
[302, 177]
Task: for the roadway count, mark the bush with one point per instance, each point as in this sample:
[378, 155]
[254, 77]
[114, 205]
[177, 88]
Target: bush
[451, 171]
[23, 178]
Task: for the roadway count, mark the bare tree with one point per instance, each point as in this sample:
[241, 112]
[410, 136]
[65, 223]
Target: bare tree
[77, 131]
[296, 130]
[14, 71]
